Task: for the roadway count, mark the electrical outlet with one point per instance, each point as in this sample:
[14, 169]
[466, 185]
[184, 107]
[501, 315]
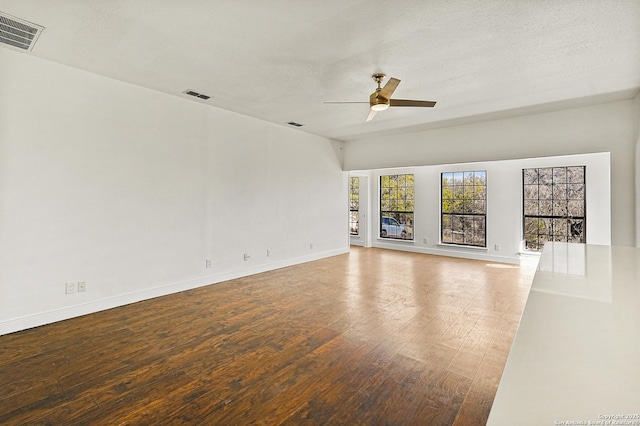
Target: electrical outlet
[311, 246]
[268, 253]
[425, 240]
[82, 286]
[497, 247]
[70, 288]
[207, 263]
[246, 257]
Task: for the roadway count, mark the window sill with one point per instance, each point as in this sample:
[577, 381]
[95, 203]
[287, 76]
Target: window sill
[463, 247]
[527, 253]
[399, 240]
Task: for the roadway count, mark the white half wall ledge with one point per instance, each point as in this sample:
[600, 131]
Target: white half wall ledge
[43, 318]
[472, 253]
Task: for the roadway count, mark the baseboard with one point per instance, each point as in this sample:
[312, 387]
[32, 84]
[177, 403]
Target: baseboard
[453, 252]
[55, 315]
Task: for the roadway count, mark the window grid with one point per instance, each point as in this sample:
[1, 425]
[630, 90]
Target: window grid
[354, 205]
[554, 205]
[396, 206]
[464, 208]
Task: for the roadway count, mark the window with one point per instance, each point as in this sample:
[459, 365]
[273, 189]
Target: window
[354, 205]
[396, 206]
[464, 208]
[554, 205]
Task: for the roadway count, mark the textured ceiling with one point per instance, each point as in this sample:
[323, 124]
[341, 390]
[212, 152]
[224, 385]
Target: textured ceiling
[278, 60]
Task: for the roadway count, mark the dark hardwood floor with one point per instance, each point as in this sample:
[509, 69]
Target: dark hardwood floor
[375, 337]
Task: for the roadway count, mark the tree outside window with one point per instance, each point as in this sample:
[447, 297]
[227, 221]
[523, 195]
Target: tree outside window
[464, 208]
[554, 205]
[396, 206]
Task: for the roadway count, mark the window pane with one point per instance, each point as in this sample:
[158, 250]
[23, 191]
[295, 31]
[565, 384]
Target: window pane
[458, 192]
[575, 191]
[468, 178]
[560, 192]
[575, 174]
[531, 192]
[530, 176]
[560, 229]
[545, 176]
[531, 225]
[575, 208]
[560, 175]
[545, 207]
[576, 229]
[479, 207]
[531, 207]
[560, 208]
[447, 236]
[545, 192]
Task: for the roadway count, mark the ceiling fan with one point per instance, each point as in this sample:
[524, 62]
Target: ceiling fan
[381, 98]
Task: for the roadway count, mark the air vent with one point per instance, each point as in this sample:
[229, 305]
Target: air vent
[17, 33]
[196, 94]
[293, 123]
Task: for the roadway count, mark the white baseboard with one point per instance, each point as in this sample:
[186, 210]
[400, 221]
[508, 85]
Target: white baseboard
[41, 318]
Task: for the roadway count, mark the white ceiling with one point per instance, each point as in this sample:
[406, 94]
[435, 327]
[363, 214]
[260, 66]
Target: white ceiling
[278, 60]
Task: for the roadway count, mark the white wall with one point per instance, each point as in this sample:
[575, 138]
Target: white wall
[131, 190]
[504, 205]
[610, 127]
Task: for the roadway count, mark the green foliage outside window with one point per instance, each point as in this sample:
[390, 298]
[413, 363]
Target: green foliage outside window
[396, 206]
[464, 208]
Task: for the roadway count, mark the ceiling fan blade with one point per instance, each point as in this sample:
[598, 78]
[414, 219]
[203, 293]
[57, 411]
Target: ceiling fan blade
[344, 102]
[372, 113]
[389, 88]
[411, 103]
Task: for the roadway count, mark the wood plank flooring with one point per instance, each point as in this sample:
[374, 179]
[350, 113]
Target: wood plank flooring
[374, 337]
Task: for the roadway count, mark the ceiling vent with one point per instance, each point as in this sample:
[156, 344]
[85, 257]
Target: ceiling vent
[17, 33]
[196, 94]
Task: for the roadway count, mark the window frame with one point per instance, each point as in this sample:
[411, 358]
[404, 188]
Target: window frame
[466, 212]
[554, 219]
[407, 200]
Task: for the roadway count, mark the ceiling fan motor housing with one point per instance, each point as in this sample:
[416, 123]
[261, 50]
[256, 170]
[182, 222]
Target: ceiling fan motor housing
[378, 103]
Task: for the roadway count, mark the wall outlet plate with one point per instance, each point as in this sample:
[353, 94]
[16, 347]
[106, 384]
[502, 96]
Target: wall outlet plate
[82, 286]
[70, 288]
